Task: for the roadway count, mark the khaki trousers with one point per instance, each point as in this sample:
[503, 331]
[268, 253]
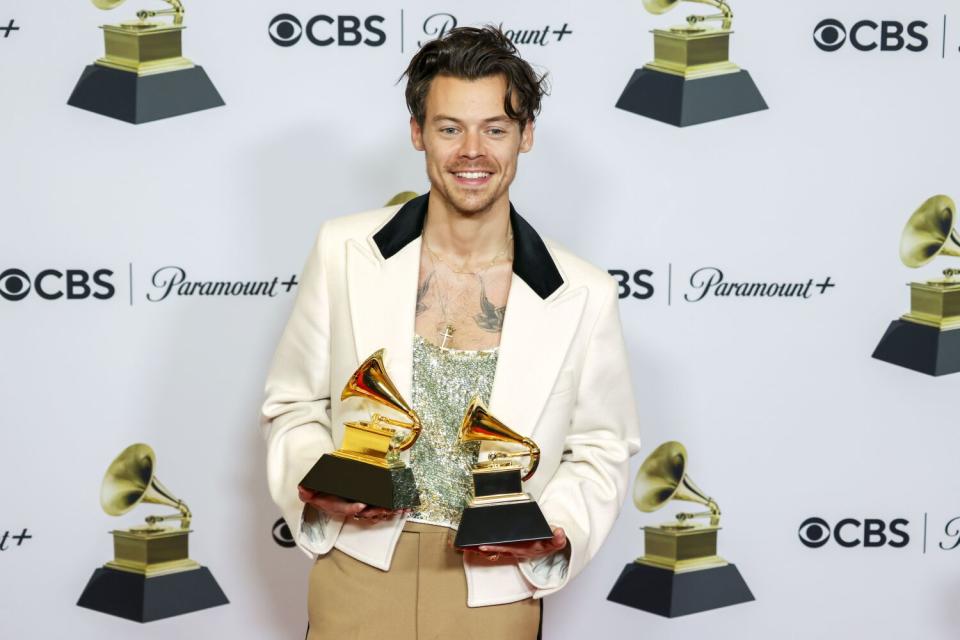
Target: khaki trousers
[422, 597]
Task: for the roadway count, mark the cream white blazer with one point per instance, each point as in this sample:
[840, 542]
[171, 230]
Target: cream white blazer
[561, 379]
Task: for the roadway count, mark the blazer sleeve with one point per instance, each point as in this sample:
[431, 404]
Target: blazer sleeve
[587, 491]
[295, 417]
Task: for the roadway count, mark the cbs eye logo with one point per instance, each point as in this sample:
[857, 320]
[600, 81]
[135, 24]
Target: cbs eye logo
[867, 35]
[346, 31]
[830, 34]
[851, 532]
[282, 535]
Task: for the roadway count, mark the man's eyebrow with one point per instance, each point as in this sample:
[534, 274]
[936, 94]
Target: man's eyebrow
[500, 118]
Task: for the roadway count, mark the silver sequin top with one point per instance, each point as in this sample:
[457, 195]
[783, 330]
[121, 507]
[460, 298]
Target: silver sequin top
[444, 383]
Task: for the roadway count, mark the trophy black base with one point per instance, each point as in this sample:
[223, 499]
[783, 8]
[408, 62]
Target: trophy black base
[670, 594]
[683, 102]
[137, 99]
[921, 348]
[361, 482]
[142, 599]
[501, 524]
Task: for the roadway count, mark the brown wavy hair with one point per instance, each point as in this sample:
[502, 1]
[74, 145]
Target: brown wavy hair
[472, 53]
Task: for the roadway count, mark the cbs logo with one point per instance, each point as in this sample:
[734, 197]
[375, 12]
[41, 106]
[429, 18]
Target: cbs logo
[51, 284]
[867, 35]
[634, 284]
[282, 534]
[850, 532]
[345, 31]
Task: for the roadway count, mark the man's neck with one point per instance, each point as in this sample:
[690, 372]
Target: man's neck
[469, 239]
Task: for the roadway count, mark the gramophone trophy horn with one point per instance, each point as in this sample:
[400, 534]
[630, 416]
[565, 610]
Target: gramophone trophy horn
[930, 232]
[662, 6]
[680, 572]
[367, 467]
[143, 75]
[151, 575]
[500, 511]
[662, 477]
[926, 339]
[691, 79]
[130, 480]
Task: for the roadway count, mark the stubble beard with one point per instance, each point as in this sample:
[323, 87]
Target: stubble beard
[468, 204]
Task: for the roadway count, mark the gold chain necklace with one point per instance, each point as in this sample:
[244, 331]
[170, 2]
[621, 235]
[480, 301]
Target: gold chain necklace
[462, 271]
[445, 329]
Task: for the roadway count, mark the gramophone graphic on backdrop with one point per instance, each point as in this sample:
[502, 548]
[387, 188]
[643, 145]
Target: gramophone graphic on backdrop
[680, 572]
[143, 75]
[151, 576]
[691, 79]
[927, 339]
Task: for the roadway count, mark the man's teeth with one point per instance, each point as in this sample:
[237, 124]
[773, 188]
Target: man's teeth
[472, 175]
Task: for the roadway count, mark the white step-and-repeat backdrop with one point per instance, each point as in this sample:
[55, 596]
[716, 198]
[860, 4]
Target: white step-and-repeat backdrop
[785, 414]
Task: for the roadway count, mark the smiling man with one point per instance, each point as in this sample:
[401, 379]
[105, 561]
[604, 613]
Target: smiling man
[467, 300]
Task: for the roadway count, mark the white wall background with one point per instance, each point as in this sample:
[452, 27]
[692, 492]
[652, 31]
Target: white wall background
[783, 411]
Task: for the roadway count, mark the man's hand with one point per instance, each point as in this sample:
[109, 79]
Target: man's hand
[337, 506]
[521, 550]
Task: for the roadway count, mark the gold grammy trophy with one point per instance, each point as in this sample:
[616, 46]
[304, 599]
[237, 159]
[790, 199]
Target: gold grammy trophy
[500, 511]
[680, 572]
[367, 467]
[927, 339]
[143, 75]
[151, 576]
[691, 79]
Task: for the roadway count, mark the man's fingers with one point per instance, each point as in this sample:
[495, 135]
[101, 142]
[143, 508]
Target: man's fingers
[337, 506]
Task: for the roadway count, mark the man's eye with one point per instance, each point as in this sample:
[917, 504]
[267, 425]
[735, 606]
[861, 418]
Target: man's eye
[497, 132]
[448, 130]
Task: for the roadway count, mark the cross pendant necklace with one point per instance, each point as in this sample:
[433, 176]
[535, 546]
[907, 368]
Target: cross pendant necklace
[446, 333]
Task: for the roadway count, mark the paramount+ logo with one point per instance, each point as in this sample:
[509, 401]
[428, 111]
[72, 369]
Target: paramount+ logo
[870, 35]
[854, 532]
[56, 284]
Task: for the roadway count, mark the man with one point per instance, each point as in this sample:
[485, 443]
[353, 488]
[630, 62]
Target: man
[466, 299]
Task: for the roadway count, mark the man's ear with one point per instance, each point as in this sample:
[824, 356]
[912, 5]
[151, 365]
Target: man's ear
[416, 134]
[526, 136]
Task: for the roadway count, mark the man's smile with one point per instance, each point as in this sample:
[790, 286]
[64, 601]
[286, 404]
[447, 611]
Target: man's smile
[472, 178]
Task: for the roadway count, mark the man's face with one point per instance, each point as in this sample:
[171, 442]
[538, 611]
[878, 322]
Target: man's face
[470, 144]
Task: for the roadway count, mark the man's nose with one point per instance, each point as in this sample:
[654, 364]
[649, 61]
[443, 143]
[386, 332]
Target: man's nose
[472, 145]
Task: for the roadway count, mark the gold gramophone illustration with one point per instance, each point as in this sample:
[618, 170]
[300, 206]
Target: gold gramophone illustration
[691, 79]
[367, 467]
[143, 75]
[927, 338]
[680, 572]
[401, 198]
[151, 575]
[500, 511]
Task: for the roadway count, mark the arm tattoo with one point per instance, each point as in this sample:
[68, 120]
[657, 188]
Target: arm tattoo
[490, 317]
[422, 293]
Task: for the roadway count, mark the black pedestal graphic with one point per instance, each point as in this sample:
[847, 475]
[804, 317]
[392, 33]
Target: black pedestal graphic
[137, 99]
[670, 594]
[681, 102]
[501, 524]
[142, 599]
[353, 480]
[921, 348]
